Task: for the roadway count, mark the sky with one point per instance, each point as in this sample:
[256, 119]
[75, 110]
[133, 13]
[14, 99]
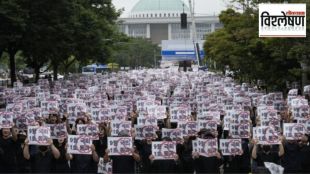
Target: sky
[202, 7]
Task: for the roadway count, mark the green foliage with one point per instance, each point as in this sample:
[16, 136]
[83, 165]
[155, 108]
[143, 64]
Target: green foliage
[136, 52]
[57, 32]
[237, 45]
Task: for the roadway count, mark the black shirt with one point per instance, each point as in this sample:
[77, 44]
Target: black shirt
[207, 164]
[292, 158]
[145, 151]
[83, 164]
[101, 145]
[305, 158]
[42, 162]
[164, 166]
[262, 157]
[8, 155]
[123, 164]
[61, 165]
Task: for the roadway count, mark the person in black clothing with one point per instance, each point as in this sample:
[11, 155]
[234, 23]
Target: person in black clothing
[8, 146]
[165, 166]
[239, 163]
[265, 153]
[145, 151]
[101, 144]
[23, 165]
[85, 163]
[305, 154]
[61, 165]
[185, 155]
[291, 160]
[124, 164]
[207, 164]
[41, 162]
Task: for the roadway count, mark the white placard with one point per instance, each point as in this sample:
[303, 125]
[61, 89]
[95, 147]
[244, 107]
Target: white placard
[90, 130]
[105, 168]
[120, 146]
[231, 147]
[293, 131]
[189, 128]
[147, 121]
[118, 126]
[78, 144]
[38, 135]
[145, 132]
[58, 130]
[266, 135]
[164, 150]
[6, 119]
[174, 134]
[205, 147]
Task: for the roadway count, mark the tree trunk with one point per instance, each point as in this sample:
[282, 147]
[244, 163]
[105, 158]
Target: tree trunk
[55, 71]
[12, 53]
[1, 52]
[37, 72]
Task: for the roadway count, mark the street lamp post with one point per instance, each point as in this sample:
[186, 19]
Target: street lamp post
[194, 34]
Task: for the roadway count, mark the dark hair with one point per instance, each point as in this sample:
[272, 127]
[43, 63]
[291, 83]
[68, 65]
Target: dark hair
[166, 139]
[78, 120]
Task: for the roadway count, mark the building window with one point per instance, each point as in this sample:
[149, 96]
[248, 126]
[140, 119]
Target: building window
[151, 15]
[180, 34]
[168, 14]
[155, 15]
[159, 14]
[137, 30]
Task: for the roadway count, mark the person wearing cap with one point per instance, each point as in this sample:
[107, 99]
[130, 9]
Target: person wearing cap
[207, 164]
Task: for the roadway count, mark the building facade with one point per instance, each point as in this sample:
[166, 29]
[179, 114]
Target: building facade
[159, 20]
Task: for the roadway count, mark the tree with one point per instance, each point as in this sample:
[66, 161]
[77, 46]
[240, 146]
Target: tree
[12, 17]
[136, 52]
[273, 60]
[61, 32]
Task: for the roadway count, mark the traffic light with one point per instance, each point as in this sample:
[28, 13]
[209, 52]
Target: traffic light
[183, 21]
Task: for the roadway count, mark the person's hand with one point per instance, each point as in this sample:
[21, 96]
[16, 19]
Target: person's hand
[255, 142]
[93, 148]
[241, 152]
[218, 155]
[281, 139]
[50, 142]
[176, 157]
[151, 158]
[195, 155]
[14, 130]
[26, 141]
[107, 151]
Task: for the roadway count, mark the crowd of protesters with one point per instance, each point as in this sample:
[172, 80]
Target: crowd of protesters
[167, 88]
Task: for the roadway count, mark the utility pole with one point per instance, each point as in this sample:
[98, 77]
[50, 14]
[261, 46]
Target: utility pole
[154, 58]
[194, 34]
